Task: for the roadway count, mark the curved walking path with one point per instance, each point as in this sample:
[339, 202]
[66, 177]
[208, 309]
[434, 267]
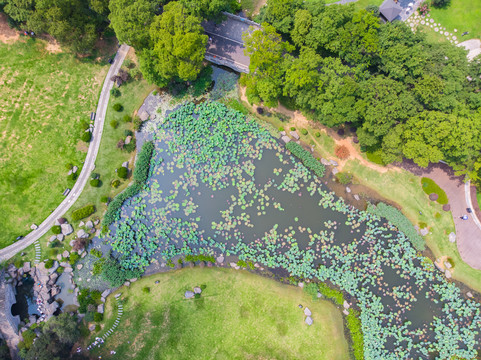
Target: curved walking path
[468, 232]
[88, 166]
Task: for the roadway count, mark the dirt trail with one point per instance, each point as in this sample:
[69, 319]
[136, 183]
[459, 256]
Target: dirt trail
[7, 35]
[298, 120]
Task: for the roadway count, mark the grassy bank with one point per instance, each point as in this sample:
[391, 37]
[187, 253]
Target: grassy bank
[239, 316]
[43, 98]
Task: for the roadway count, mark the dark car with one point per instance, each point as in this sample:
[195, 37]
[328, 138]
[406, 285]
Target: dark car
[469, 210]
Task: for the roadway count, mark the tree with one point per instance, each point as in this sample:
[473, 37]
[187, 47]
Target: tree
[179, 45]
[122, 172]
[19, 10]
[131, 19]
[428, 91]
[210, 8]
[266, 50]
[280, 14]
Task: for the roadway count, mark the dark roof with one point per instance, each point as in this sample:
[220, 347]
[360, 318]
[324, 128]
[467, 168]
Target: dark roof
[390, 10]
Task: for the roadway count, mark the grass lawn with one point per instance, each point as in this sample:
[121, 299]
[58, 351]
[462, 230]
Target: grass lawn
[239, 316]
[463, 15]
[43, 97]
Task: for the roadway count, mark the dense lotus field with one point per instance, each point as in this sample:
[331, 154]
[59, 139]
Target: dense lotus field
[220, 184]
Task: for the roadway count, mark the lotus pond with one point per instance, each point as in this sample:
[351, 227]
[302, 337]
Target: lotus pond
[220, 184]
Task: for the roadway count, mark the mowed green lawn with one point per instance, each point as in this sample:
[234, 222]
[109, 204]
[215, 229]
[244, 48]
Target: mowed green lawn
[43, 97]
[239, 316]
[463, 15]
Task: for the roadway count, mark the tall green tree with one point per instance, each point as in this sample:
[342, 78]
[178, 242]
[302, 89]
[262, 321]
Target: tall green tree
[266, 71]
[280, 14]
[19, 10]
[131, 20]
[179, 44]
[210, 9]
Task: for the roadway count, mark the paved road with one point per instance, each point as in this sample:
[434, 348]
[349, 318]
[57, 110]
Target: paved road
[468, 233]
[87, 168]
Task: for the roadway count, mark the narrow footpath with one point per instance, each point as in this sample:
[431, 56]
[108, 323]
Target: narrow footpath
[88, 166]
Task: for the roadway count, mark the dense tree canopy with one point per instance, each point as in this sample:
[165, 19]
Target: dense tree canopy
[407, 97]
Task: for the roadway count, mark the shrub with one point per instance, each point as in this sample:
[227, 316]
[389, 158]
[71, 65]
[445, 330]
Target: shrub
[87, 300]
[375, 157]
[318, 134]
[127, 118]
[137, 123]
[146, 290]
[79, 244]
[98, 317]
[118, 107]
[72, 177]
[155, 92]
[60, 270]
[398, 219]
[97, 253]
[115, 92]
[56, 229]
[114, 123]
[130, 147]
[69, 166]
[83, 212]
[84, 125]
[122, 172]
[423, 225]
[95, 183]
[306, 157]
[128, 132]
[430, 187]
[97, 327]
[115, 274]
[344, 178]
[104, 199]
[98, 266]
[355, 330]
[73, 258]
[49, 264]
[86, 136]
[342, 152]
[141, 173]
[293, 128]
[28, 337]
[281, 128]
[115, 183]
[303, 131]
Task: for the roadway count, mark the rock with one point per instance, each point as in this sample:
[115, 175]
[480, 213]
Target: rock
[55, 291]
[424, 231]
[133, 280]
[356, 196]
[96, 222]
[125, 164]
[60, 237]
[197, 290]
[433, 196]
[189, 294]
[469, 294]
[333, 162]
[100, 308]
[346, 305]
[307, 312]
[67, 229]
[52, 238]
[106, 293]
[69, 172]
[448, 275]
[348, 189]
[220, 259]
[26, 267]
[57, 222]
[447, 207]
[335, 171]
[92, 327]
[81, 224]
[127, 283]
[80, 266]
[319, 295]
[157, 281]
[286, 139]
[308, 320]
[452, 237]
[118, 295]
[128, 139]
[325, 162]
[102, 299]
[345, 312]
[59, 258]
[72, 242]
[82, 234]
[84, 254]
[74, 169]
[234, 265]
[65, 254]
[89, 224]
[33, 227]
[283, 133]
[67, 270]
[62, 221]
[447, 265]
[294, 134]
[300, 284]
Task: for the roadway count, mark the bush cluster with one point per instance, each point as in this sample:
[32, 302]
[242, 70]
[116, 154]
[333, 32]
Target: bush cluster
[115, 274]
[141, 173]
[56, 229]
[83, 212]
[398, 219]
[122, 172]
[357, 338]
[342, 152]
[95, 183]
[86, 136]
[430, 187]
[306, 157]
[118, 107]
[200, 257]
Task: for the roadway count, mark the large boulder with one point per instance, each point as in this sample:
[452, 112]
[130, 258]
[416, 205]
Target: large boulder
[452, 237]
[307, 312]
[189, 294]
[67, 229]
[309, 320]
[82, 234]
[285, 139]
[26, 267]
[89, 224]
[52, 238]
[294, 134]
[197, 290]
[60, 237]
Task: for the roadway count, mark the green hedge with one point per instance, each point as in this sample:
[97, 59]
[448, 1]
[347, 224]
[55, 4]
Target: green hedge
[141, 174]
[398, 219]
[429, 187]
[355, 329]
[306, 157]
[82, 213]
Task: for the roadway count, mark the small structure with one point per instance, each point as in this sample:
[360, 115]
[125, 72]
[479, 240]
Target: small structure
[390, 10]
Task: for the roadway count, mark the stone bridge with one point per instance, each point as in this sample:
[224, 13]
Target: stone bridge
[225, 46]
